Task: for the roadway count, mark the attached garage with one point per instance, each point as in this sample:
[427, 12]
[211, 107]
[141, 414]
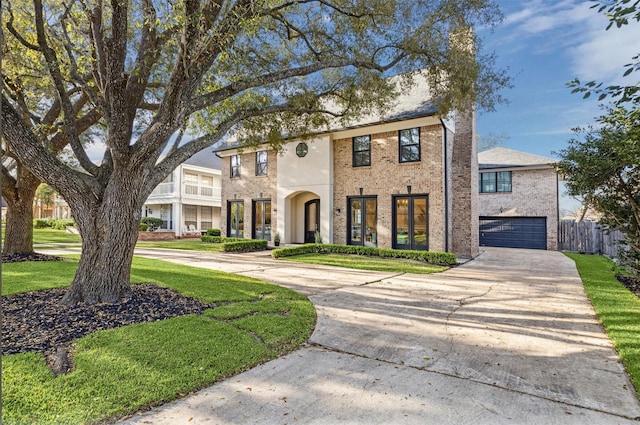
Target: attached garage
[514, 232]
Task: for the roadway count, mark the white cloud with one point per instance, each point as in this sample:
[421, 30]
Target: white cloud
[603, 56]
[572, 29]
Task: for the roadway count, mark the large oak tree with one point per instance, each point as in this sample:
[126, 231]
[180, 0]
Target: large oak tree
[25, 82]
[157, 70]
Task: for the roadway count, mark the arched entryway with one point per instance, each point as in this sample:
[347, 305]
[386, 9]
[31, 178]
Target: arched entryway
[303, 217]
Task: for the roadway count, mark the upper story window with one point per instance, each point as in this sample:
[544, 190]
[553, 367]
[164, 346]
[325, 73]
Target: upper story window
[495, 182]
[361, 151]
[261, 163]
[409, 145]
[191, 178]
[206, 185]
[190, 184]
[235, 166]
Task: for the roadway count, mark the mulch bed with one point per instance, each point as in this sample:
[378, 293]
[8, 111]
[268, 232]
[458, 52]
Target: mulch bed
[19, 258]
[38, 321]
[631, 283]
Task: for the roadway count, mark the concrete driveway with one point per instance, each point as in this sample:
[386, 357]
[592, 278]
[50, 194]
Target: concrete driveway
[508, 338]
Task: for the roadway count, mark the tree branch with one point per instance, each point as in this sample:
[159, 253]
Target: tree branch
[16, 34]
[56, 76]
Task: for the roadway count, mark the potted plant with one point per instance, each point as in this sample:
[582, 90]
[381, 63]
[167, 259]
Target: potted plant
[276, 239]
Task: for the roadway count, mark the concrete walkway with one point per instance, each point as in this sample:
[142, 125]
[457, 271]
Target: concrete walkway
[508, 338]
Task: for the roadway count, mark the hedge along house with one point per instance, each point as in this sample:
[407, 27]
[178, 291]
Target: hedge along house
[405, 180]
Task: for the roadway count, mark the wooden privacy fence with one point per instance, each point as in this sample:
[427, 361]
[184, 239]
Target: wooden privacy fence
[588, 237]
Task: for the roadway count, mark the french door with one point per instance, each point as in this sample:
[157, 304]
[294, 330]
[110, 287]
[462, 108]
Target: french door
[362, 221]
[235, 219]
[262, 219]
[311, 220]
[410, 222]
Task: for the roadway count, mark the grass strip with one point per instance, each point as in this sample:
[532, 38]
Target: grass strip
[186, 244]
[123, 370]
[367, 263]
[617, 308]
[48, 235]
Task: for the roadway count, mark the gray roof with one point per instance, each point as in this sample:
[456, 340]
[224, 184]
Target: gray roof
[505, 158]
[205, 158]
[412, 102]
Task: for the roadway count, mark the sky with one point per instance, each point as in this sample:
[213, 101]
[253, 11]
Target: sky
[546, 44]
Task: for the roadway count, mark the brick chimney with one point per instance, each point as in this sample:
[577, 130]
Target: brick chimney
[464, 188]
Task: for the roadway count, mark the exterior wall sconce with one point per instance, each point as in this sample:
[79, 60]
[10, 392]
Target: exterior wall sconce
[361, 190]
[337, 210]
[235, 196]
[409, 189]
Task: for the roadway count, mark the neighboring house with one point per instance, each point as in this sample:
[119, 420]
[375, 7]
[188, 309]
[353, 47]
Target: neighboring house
[188, 200]
[405, 180]
[518, 200]
[61, 208]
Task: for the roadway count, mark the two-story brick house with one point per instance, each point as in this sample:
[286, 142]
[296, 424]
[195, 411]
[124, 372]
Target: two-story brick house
[404, 180]
[518, 200]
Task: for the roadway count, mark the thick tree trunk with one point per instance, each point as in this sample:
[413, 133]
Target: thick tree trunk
[19, 228]
[109, 234]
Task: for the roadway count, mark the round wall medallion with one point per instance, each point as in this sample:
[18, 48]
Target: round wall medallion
[302, 149]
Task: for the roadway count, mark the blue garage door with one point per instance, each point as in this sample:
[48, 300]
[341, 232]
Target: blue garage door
[514, 232]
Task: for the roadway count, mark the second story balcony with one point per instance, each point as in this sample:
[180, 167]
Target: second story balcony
[168, 189]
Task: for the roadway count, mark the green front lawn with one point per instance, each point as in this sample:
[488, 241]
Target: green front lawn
[123, 370]
[617, 308]
[362, 262]
[49, 235]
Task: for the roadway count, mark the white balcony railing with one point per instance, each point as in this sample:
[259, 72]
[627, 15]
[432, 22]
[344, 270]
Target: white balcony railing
[163, 189]
[204, 191]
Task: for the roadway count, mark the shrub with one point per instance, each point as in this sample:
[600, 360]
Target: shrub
[245, 245]
[213, 232]
[39, 223]
[143, 227]
[153, 223]
[236, 244]
[58, 224]
[440, 258]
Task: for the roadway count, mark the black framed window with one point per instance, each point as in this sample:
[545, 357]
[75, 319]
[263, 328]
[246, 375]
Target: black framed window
[261, 163]
[235, 166]
[362, 221]
[411, 222]
[495, 182]
[409, 145]
[361, 151]
[262, 219]
[235, 219]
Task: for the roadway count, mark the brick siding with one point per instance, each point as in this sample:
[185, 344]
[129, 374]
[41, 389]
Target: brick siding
[249, 187]
[534, 193]
[387, 177]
